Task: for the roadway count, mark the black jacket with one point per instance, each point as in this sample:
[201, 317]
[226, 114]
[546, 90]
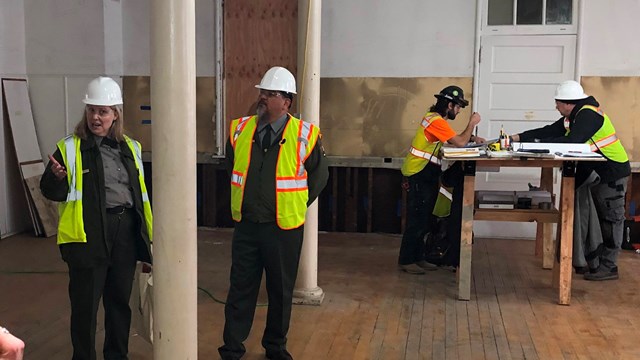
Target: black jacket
[583, 125]
[259, 200]
[95, 250]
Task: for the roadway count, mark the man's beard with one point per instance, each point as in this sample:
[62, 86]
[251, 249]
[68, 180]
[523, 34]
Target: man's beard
[261, 111]
[451, 115]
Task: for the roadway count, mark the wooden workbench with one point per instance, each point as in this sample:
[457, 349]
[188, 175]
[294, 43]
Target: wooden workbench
[562, 261]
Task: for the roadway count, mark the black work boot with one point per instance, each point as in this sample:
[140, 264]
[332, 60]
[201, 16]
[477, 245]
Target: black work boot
[603, 274]
[581, 270]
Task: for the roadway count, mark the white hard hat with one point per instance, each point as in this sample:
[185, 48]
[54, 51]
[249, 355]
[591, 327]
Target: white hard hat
[103, 91]
[278, 79]
[570, 90]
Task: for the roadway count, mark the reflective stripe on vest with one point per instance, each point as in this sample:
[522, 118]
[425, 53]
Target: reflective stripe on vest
[236, 132]
[237, 179]
[303, 143]
[136, 149]
[137, 154]
[291, 184]
[70, 146]
[425, 155]
[602, 143]
[442, 207]
[444, 191]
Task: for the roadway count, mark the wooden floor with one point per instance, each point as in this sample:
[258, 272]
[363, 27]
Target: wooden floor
[371, 310]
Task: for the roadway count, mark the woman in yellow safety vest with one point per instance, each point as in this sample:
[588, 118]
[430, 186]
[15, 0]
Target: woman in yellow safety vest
[105, 223]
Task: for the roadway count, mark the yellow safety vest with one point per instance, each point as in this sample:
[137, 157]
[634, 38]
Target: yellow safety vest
[71, 223]
[605, 139]
[422, 151]
[292, 193]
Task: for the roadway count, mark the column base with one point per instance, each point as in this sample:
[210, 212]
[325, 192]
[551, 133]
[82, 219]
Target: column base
[312, 296]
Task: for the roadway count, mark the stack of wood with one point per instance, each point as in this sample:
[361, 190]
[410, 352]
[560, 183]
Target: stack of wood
[44, 213]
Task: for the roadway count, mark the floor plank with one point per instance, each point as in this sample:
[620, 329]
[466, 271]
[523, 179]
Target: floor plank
[371, 310]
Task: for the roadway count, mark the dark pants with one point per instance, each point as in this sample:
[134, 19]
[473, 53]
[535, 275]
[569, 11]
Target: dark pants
[258, 246]
[609, 200]
[113, 283]
[421, 198]
[453, 177]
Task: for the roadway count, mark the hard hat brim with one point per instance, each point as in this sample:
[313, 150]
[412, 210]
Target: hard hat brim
[573, 98]
[462, 102]
[266, 88]
[100, 103]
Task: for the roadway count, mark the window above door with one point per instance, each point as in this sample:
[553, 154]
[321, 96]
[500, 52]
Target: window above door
[511, 17]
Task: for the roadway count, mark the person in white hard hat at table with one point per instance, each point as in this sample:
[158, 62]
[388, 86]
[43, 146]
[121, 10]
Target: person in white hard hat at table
[104, 228]
[277, 167]
[583, 121]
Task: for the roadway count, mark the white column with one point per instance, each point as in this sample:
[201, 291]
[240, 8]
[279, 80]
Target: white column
[173, 103]
[309, 16]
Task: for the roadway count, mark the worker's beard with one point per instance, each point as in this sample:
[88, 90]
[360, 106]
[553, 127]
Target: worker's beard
[451, 115]
[261, 111]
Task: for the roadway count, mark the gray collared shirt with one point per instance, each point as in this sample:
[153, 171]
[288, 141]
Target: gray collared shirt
[116, 178]
[276, 127]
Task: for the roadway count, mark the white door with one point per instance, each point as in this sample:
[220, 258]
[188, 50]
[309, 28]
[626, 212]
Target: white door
[517, 81]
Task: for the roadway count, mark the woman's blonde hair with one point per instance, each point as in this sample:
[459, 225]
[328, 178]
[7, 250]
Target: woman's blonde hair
[117, 128]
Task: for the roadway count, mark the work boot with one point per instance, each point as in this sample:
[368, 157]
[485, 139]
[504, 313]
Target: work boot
[411, 269]
[278, 355]
[581, 270]
[427, 265]
[602, 274]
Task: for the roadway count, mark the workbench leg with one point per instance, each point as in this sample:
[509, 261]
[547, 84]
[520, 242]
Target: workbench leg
[548, 245]
[546, 183]
[563, 261]
[464, 269]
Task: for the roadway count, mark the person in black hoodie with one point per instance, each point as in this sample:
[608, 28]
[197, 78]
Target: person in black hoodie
[583, 121]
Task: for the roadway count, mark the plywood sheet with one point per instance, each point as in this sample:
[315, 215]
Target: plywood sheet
[379, 116]
[138, 119]
[18, 106]
[21, 119]
[47, 210]
[48, 102]
[619, 97]
[257, 36]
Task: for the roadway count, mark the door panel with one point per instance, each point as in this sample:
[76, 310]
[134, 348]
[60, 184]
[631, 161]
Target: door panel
[518, 78]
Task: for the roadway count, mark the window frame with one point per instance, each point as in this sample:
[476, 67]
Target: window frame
[541, 29]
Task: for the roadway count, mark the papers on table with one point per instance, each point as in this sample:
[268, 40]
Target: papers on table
[455, 152]
[552, 147]
[524, 150]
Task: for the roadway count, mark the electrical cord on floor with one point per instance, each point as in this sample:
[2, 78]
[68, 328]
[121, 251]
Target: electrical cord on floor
[220, 301]
[29, 272]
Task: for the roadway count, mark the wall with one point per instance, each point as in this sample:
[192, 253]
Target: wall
[610, 38]
[611, 65]
[64, 37]
[406, 38]
[137, 41]
[14, 215]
